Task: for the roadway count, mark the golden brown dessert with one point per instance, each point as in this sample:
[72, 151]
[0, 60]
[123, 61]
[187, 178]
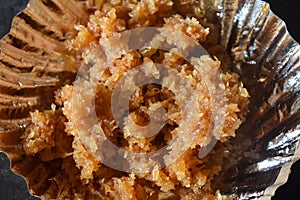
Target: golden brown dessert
[56, 134]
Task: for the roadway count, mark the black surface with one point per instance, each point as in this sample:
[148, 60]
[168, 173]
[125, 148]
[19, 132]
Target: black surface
[13, 187]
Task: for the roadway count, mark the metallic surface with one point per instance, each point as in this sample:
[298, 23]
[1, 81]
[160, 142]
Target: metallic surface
[267, 59]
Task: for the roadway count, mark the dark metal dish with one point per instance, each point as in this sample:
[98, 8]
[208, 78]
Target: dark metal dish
[268, 60]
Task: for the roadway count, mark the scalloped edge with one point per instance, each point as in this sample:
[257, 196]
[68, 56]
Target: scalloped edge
[284, 171]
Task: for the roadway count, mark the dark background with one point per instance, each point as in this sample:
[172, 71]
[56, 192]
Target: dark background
[13, 187]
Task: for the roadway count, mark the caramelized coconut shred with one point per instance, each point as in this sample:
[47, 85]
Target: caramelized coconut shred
[53, 134]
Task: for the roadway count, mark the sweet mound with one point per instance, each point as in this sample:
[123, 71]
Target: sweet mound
[54, 135]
